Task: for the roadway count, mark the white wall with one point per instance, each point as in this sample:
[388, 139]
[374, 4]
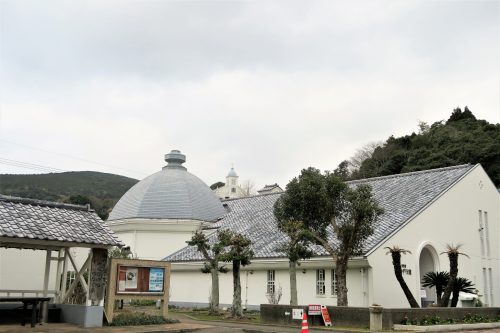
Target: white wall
[451, 219]
[154, 239]
[153, 245]
[25, 269]
[192, 286]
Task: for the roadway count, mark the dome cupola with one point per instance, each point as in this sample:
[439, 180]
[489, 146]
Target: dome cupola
[172, 193]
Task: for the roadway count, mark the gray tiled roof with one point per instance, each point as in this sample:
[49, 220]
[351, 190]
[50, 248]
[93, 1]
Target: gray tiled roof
[169, 194]
[44, 220]
[402, 196]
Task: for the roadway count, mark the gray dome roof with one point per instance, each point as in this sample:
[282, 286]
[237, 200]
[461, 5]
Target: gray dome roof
[232, 173]
[172, 193]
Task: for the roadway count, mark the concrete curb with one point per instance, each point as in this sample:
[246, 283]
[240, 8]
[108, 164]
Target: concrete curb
[445, 328]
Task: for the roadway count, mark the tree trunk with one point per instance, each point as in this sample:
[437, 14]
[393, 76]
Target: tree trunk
[293, 282]
[214, 296]
[340, 274]
[439, 293]
[454, 298]
[396, 262]
[236, 311]
[453, 257]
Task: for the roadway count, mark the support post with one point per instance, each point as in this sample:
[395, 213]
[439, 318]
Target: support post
[44, 305]
[58, 276]
[97, 277]
[64, 276]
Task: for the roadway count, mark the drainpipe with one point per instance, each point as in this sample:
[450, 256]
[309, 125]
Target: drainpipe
[246, 290]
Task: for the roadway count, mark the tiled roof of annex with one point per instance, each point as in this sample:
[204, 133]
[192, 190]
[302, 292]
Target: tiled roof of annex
[52, 221]
[402, 197]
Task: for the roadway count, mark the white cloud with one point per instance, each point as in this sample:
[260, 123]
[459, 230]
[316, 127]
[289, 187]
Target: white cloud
[269, 88]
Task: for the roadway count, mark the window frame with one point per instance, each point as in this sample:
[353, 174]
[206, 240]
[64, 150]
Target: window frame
[320, 282]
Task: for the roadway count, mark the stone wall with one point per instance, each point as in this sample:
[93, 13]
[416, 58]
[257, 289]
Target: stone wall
[341, 316]
[360, 317]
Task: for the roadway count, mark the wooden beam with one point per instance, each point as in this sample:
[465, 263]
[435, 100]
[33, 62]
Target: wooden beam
[64, 276]
[78, 277]
[58, 274]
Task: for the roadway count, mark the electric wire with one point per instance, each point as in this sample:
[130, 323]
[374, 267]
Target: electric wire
[136, 172]
[31, 166]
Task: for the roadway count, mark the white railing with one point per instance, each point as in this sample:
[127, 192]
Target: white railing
[25, 293]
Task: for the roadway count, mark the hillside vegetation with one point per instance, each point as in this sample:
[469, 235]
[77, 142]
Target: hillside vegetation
[461, 139]
[101, 190]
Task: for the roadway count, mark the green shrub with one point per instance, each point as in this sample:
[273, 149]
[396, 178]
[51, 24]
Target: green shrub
[142, 302]
[133, 319]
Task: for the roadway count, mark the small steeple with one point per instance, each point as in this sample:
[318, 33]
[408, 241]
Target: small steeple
[175, 160]
[232, 173]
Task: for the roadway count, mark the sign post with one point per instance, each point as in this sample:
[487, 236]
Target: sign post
[326, 316]
[137, 279]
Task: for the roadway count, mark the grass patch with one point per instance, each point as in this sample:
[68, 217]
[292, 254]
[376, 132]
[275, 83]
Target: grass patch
[203, 314]
[136, 319]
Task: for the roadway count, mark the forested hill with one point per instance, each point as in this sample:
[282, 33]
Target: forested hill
[459, 140]
[101, 190]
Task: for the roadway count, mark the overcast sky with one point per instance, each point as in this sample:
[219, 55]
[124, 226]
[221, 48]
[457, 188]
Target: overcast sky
[271, 86]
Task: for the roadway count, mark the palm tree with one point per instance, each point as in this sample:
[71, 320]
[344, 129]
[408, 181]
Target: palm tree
[453, 252]
[461, 285]
[396, 252]
[438, 280]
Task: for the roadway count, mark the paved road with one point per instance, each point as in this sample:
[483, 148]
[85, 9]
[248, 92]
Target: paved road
[226, 327]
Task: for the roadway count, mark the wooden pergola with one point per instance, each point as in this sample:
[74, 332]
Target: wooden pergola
[56, 228]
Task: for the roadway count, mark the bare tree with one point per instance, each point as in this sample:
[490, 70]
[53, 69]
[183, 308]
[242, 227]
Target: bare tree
[363, 153]
[248, 187]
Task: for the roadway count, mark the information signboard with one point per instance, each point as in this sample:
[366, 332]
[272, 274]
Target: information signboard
[137, 279]
[156, 279]
[140, 280]
[314, 310]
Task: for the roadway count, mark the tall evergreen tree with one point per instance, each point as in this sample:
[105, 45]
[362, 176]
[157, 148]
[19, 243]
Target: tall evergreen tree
[324, 202]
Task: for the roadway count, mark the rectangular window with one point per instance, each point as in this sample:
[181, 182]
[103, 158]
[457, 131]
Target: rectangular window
[334, 283]
[270, 282]
[487, 234]
[320, 282]
[70, 277]
[490, 273]
[486, 291]
[481, 231]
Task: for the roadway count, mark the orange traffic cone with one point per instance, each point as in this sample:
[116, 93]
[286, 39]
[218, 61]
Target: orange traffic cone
[305, 326]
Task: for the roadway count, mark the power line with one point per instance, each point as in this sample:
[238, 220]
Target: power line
[31, 166]
[142, 174]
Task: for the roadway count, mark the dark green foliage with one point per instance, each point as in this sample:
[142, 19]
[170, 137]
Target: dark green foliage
[79, 200]
[462, 139]
[436, 320]
[217, 185]
[439, 280]
[100, 190]
[342, 170]
[134, 319]
[321, 201]
[461, 285]
[236, 247]
[142, 302]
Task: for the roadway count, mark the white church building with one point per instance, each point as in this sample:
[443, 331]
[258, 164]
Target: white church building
[423, 212]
